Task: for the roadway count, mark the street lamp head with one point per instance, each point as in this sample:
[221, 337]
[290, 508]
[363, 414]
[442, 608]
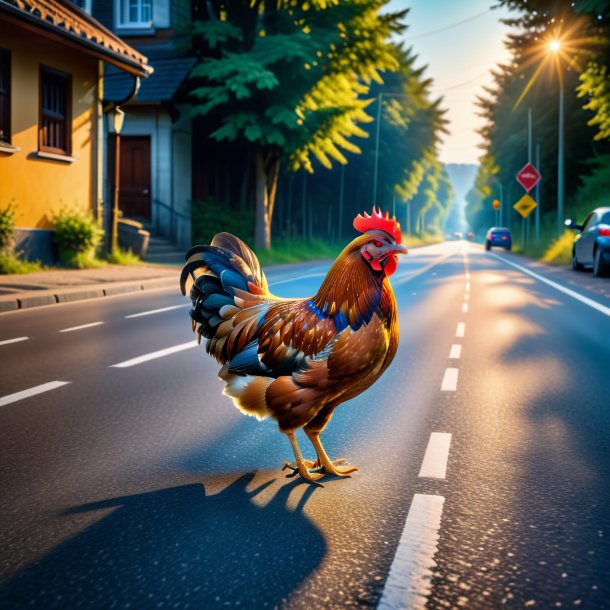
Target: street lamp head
[554, 45]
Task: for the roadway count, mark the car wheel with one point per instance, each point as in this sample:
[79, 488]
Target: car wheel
[487, 246]
[575, 264]
[599, 266]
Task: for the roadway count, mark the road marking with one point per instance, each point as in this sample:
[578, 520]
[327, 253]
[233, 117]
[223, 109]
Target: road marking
[456, 351]
[434, 465]
[38, 389]
[579, 297]
[467, 275]
[450, 380]
[465, 308]
[467, 286]
[460, 330]
[153, 311]
[69, 330]
[16, 340]
[466, 297]
[409, 582]
[153, 355]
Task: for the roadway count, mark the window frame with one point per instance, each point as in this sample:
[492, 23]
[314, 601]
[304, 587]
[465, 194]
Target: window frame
[5, 62]
[122, 16]
[67, 117]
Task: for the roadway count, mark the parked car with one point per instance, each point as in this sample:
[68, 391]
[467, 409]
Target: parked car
[469, 235]
[498, 236]
[592, 244]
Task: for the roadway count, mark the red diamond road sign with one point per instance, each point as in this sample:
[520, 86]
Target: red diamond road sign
[528, 177]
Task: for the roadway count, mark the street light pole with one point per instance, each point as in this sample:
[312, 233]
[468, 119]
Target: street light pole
[560, 163]
[377, 150]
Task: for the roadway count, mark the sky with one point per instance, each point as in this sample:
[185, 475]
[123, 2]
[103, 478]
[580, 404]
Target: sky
[460, 41]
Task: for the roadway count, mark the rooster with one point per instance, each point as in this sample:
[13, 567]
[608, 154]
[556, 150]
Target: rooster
[296, 360]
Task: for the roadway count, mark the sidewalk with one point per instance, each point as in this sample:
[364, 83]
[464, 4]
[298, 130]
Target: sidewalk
[63, 285]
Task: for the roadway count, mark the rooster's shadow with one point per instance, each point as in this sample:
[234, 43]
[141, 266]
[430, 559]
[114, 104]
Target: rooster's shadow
[177, 548]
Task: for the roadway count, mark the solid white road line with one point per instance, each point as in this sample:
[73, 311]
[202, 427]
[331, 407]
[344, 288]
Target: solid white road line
[69, 330]
[152, 311]
[409, 582]
[153, 355]
[579, 297]
[434, 465]
[450, 380]
[465, 308]
[16, 340]
[39, 389]
[460, 330]
[456, 351]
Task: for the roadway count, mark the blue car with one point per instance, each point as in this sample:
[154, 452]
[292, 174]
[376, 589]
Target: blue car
[592, 245]
[498, 236]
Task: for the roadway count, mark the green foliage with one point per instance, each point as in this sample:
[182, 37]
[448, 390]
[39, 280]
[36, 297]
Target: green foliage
[7, 227]
[595, 85]
[77, 237]
[211, 216]
[11, 262]
[559, 252]
[123, 257]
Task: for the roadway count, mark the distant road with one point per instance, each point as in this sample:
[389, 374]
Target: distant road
[129, 481]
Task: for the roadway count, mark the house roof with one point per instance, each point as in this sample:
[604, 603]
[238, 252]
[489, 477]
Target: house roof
[160, 87]
[63, 19]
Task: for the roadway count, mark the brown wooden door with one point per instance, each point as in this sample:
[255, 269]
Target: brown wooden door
[134, 187]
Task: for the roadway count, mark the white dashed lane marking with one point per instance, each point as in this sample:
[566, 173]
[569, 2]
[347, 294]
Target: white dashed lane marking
[91, 325]
[39, 389]
[460, 330]
[153, 311]
[450, 380]
[465, 308]
[154, 355]
[409, 582]
[15, 340]
[456, 351]
[434, 465]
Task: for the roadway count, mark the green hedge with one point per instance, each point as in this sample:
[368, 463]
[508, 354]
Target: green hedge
[212, 216]
[77, 237]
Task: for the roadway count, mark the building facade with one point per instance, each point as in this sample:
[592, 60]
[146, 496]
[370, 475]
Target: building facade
[52, 113]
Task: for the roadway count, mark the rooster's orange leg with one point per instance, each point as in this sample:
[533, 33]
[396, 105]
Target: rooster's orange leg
[304, 467]
[331, 467]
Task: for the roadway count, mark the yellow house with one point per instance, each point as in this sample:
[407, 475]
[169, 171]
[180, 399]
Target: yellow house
[52, 117]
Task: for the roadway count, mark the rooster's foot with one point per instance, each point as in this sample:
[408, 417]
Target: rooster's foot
[335, 467]
[307, 469]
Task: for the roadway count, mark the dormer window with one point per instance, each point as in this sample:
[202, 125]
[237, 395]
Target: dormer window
[135, 13]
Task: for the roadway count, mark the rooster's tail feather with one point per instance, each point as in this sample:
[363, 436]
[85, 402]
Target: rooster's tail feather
[222, 274]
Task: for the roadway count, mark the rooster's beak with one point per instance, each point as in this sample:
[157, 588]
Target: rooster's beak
[394, 249]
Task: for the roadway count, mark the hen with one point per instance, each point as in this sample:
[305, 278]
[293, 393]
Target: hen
[296, 360]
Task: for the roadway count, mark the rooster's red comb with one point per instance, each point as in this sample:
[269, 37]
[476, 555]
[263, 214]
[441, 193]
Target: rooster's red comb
[378, 221]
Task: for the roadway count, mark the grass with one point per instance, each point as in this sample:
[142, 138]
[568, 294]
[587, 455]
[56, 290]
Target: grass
[284, 251]
[123, 257]
[11, 263]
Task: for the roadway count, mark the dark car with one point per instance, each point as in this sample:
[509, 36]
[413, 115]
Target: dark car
[498, 236]
[592, 245]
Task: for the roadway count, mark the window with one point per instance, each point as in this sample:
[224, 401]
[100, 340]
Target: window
[136, 13]
[55, 126]
[5, 96]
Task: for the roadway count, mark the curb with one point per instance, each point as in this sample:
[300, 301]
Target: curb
[92, 291]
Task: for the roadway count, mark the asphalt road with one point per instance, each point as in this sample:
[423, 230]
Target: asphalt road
[484, 456]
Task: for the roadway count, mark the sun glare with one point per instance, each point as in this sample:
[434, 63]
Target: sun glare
[554, 45]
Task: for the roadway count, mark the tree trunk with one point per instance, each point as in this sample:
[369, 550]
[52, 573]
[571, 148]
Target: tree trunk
[267, 170]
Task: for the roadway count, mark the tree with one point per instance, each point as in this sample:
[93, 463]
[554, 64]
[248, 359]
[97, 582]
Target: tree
[289, 77]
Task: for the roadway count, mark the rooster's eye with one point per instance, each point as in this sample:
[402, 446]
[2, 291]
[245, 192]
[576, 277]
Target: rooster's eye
[377, 244]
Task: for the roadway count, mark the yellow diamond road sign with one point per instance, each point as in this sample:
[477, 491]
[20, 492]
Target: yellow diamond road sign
[525, 205]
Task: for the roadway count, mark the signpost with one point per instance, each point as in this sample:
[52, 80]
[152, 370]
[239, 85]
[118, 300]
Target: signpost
[528, 178]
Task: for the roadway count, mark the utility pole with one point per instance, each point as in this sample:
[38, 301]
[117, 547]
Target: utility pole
[377, 149]
[560, 161]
